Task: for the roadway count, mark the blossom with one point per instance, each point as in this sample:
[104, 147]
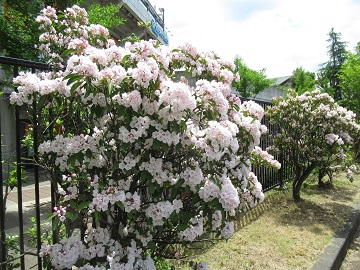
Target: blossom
[63, 254]
[162, 210]
[194, 230]
[228, 230]
[228, 197]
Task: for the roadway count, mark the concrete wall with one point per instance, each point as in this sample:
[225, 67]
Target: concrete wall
[269, 94]
[7, 118]
[7, 115]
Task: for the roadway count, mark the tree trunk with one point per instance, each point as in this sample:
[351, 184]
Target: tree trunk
[299, 180]
[320, 178]
[296, 189]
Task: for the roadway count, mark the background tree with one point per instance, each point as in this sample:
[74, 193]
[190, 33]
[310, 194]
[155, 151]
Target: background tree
[303, 80]
[349, 76]
[19, 32]
[315, 131]
[105, 15]
[251, 82]
[328, 78]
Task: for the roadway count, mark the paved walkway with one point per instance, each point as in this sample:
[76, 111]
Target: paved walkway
[28, 205]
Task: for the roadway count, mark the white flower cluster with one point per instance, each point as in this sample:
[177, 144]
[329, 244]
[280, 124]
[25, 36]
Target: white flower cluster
[60, 212]
[333, 138]
[162, 210]
[110, 196]
[194, 230]
[265, 157]
[228, 230]
[65, 147]
[97, 244]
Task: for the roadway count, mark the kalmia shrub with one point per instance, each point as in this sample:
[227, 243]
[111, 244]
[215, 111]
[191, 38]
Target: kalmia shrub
[145, 161]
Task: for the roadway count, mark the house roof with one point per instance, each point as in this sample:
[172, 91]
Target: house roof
[282, 80]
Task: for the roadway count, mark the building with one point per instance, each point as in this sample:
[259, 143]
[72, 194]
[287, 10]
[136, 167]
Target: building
[135, 11]
[276, 90]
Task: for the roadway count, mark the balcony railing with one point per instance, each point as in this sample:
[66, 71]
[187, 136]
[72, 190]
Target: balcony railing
[153, 12]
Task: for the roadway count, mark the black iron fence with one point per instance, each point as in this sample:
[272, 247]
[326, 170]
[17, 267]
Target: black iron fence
[16, 251]
[271, 177]
[22, 252]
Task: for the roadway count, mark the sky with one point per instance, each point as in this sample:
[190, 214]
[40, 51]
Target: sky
[278, 35]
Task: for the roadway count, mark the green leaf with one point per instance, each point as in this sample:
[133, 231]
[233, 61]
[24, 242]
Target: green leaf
[73, 78]
[84, 205]
[88, 153]
[151, 188]
[125, 59]
[41, 101]
[156, 144]
[71, 160]
[81, 197]
[195, 200]
[145, 175]
[73, 205]
[151, 245]
[72, 216]
[55, 223]
[129, 114]
[69, 215]
[214, 202]
[166, 148]
[110, 88]
[75, 86]
[97, 110]
[115, 166]
[50, 216]
[181, 227]
[66, 52]
[120, 205]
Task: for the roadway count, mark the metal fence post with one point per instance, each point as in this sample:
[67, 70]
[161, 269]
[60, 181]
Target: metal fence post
[19, 176]
[37, 180]
[2, 211]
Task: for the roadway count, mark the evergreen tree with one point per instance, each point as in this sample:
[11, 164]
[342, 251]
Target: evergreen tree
[328, 78]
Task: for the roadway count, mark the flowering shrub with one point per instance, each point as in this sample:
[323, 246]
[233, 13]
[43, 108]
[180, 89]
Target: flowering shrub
[147, 161]
[315, 131]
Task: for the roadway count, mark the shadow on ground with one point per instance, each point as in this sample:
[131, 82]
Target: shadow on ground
[329, 210]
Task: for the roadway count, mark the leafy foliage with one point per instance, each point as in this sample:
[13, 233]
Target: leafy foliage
[349, 75]
[303, 80]
[19, 32]
[251, 82]
[18, 29]
[105, 15]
